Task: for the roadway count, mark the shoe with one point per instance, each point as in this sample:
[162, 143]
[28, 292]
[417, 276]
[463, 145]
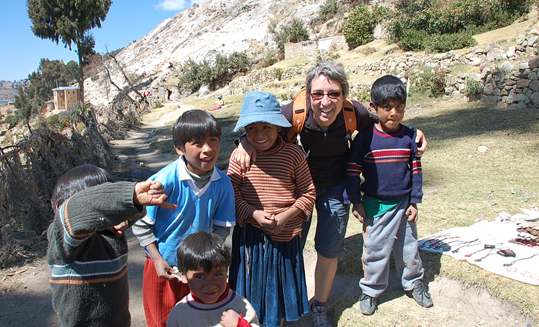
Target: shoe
[367, 304]
[421, 294]
[319, 315]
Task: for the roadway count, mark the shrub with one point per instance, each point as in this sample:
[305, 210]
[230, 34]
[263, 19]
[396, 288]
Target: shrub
[194, 75]
[438, 17]
[159, 105]
[474, 88]
[429, 81]
[446, 42]
[359, 27]
[294, 31]
[278, 73]
[413, 40]
[328, 10]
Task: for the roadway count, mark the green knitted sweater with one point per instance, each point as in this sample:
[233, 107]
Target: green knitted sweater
[89, 263]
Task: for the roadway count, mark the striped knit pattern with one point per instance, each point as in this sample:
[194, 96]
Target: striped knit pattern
[388, 163]
[276, 181]
[89, 263]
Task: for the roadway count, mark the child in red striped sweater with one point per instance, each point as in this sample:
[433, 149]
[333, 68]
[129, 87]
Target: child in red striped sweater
[273, 198]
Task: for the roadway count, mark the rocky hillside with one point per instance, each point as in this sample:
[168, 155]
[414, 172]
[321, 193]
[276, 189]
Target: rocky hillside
[215, 26]
[9, 89]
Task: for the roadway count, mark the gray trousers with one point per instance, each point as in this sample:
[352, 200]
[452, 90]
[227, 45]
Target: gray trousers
[381, 235]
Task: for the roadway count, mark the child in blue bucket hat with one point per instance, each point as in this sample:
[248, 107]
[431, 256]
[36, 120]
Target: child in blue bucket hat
[273, 198]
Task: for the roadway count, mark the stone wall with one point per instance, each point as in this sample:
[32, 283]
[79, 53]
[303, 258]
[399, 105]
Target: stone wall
[305, 48]
[507, 76]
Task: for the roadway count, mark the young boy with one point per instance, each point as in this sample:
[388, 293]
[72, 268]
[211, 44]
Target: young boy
[203, 260]
[205, 200]
[86, 254]
[386, 156]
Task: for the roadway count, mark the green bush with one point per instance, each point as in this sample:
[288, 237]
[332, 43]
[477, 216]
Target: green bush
[474, 88]
[413, 40]
[358, 28]
[446, 42]
[294, 31]
[159, 105]
[429, 81]
[328, 10]
[278, 73]
[439, 17]
[216, 75]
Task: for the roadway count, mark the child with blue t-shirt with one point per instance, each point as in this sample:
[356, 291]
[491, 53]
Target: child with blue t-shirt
[205, 200]
[386, 156]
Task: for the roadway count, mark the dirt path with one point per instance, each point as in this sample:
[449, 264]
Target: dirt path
[25, 298]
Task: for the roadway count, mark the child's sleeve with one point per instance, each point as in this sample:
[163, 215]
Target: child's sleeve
[305, 187]
[224, 214]
[417, 173]
[94, 209]
[354, 170]
[243, 209]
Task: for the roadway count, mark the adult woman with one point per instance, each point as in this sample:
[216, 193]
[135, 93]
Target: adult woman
[324, 138]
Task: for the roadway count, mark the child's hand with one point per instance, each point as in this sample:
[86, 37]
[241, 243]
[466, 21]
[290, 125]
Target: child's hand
[230, 318]
[421, 141]
[119, 229]
[358, 210]
[411, 212]
[264, 219]
[280, 222]
[164, 270]
[244, 154]
[151, 193]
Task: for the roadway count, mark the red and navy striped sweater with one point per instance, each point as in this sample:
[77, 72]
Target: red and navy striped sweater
[388, 163]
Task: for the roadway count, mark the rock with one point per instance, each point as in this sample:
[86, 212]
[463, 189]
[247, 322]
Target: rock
[507, 66]
[532, 39]
[521, 105]
[489, 88]
[534, 85]
[534, 63]
[482, 149]
[511, 52]
[521, 39]
[535, 98]
[524, 65]
[475, 61]
[522, 83]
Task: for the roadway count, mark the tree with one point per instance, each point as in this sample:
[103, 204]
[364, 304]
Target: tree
[69, 21]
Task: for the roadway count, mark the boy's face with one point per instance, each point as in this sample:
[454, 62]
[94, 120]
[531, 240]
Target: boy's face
[208, 287]
[390, 115]
[200, 155]
[326, 100]
[262, 135]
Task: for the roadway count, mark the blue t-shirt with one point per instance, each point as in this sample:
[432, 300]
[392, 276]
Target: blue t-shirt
[198, 209]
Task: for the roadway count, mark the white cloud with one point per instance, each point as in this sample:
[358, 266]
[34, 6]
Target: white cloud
[172, 5]
[177, 4]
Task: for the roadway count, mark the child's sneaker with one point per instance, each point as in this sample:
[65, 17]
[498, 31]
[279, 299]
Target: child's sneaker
[367, 304]
[421, 294]
[319, 315]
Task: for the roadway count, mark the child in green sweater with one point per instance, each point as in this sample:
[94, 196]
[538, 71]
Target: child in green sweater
[87, 251]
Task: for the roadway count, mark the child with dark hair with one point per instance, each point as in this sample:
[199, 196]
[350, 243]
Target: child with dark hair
[205, 200]
[386, 156]
[203, 260]
[273, 198]
[87, 252]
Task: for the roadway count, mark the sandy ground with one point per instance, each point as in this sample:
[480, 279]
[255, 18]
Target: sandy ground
[26, 295]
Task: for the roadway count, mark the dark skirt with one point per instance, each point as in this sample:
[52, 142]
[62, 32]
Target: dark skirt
[269, 274]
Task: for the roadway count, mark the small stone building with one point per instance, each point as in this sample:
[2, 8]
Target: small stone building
[65, 97]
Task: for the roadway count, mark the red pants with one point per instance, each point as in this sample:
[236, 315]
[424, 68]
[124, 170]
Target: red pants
[159, 296]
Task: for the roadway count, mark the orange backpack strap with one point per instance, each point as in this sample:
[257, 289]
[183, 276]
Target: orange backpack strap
[349, 118]
[299, 113]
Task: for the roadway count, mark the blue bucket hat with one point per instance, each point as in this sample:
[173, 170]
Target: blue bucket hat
[261, 107]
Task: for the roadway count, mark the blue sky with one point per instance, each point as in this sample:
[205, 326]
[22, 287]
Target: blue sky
[127, 20]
